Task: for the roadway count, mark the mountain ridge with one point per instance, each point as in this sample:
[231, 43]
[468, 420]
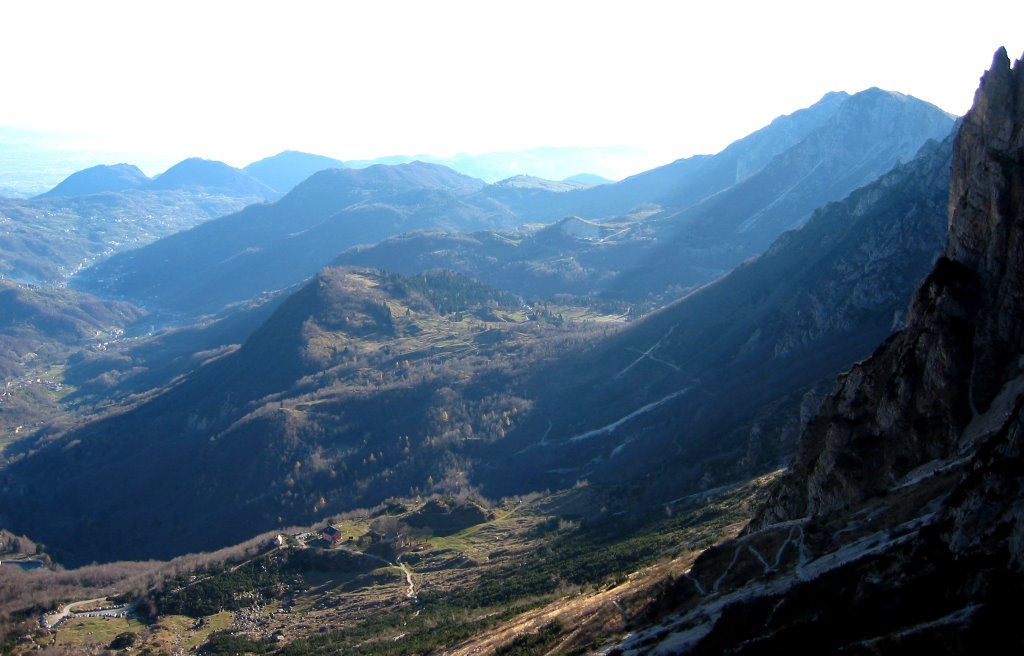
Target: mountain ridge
[288, 168]
[959, 369]
[868, 134]
[273, 246]
[731, 361]
[298, 385]
[707, 226]
[98, 179]
[905, 492]
[198, 173]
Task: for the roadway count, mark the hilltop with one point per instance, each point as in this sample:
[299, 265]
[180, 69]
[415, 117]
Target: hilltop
[282, 172]
[98, 179]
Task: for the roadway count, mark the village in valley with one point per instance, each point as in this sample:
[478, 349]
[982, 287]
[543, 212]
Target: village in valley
[375, 549]
[406, 561]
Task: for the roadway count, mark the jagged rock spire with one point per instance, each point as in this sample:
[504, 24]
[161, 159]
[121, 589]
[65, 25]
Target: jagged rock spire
[986, 232]
[912, 400]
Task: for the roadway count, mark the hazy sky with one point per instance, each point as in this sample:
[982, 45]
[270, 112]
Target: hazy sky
[237, 81]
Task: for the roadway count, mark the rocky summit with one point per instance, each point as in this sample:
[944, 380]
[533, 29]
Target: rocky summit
[900, 525]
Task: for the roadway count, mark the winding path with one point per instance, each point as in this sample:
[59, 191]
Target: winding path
[411, 592]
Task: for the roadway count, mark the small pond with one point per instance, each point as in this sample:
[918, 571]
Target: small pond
[23, 564]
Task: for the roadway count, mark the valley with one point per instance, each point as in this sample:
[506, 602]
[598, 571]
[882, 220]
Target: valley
[47, 241]
[544, 565]
[655, 236]
[727, 405]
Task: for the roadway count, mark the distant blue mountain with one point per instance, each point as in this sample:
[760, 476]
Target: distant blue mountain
[32, 162]
[97, 179]
[588, 179]
[676, 227]
[547, 162]
[272, 246]
[195, 173]
[283, 171]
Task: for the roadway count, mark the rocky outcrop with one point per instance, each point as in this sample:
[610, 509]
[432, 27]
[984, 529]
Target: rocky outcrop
[911, 402]
[987, 225]
[900, 527]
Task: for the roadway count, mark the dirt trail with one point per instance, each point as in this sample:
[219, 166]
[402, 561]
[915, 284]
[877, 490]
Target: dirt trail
[411, 594]
[411, 591]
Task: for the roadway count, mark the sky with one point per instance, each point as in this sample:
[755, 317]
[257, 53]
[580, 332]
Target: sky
[237, 81]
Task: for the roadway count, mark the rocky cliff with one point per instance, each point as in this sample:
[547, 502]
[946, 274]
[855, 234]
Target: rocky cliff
[911, 403]
[900, 527]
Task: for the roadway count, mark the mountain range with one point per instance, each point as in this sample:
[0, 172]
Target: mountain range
[804, 160]
[702, 217]
[701, 383]
[548, 162]
[270, 247]
[763, 401]
[194, 174]
[903, 508]
[713, 387]
[34, 162]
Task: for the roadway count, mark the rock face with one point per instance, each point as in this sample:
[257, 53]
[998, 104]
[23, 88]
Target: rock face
[900, 526]
[911, 403]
